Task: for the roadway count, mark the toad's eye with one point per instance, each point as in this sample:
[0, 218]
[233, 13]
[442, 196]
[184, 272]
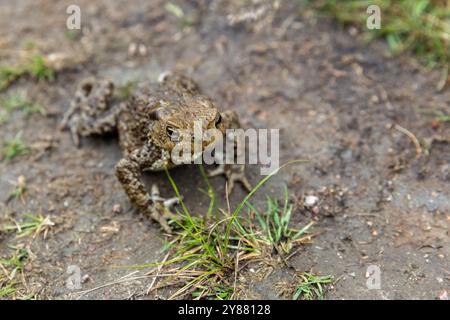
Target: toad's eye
[218, 120]
[172, 133]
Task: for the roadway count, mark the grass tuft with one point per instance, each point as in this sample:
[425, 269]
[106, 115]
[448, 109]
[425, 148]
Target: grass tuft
[11, 269]
[311, 287]
[33, 225]
[39, 70]
[20, 101]
[9, 74]
[275, 224]
[438, 115]
[13, 283]
[36, 68]
[204, 254]
[14, 147]
[183, 20]
[422, 26]
[19, 188]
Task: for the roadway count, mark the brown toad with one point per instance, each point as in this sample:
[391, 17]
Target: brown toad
[149, 125]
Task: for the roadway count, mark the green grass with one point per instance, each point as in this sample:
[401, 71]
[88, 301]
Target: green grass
[17, 260]
[19, 188]
[12, 275]
[14, 147]
[183, 20]
[10, 270]
[19, 101]
[206, 250]
[36, 68]
[7, 290]
[438, 115]
[274, 223]
[311, 287]
[18, 192]
[421, 26]
[32, 225]
[39, 70]
[9, 74]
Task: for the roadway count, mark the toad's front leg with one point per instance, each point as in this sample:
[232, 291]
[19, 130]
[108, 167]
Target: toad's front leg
[128, 171]
[232, 171]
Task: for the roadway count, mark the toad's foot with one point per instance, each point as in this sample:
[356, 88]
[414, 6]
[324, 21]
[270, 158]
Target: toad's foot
[160, 208]
[233, 173]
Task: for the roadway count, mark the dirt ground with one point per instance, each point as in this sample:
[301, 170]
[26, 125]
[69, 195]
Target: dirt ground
[335, 100]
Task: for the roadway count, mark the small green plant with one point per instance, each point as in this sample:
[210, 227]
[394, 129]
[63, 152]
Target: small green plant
[220, 292]
[16, 261]
[19, 101]
[10, 268]
[7, 290]
[33, 225]
[14, 147]
[311, 287]
[441, 117]
[12, 276]
[438, 116]
[36, 68]
[274, 223]
[183, 20]
[19, 188]
[9, 75]
[39, 69]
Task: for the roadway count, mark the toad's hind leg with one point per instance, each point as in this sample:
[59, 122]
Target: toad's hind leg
[92, 111]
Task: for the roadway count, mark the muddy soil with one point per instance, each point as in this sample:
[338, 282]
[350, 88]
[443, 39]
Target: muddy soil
[336, 101]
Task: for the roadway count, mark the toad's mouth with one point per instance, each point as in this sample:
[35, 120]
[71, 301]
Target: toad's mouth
[193, 151]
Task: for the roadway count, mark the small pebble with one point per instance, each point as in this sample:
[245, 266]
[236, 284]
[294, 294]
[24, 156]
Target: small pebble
[85, 278]
[310, 201]
[117, 208]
